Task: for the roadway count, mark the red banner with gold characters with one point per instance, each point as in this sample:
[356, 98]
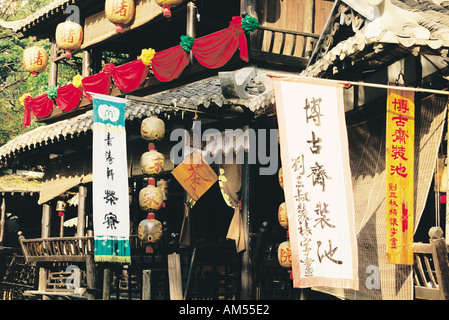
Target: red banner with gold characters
[399, 165]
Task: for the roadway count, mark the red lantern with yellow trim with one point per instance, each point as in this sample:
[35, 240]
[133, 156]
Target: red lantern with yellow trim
[69, 36]
[151, 197]
[119, 12]
[35, 60]
[167, 5]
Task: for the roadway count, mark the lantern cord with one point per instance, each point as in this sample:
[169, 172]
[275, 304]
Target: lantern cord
[347, 84]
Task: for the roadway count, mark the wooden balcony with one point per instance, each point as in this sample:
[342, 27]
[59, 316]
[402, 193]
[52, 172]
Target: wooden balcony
[283, 47]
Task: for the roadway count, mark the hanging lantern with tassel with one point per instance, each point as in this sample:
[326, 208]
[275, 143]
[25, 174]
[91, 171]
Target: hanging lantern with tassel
[69, 37]
[35, 60]
[60, 207]
[167, 5]
[152, 162]
[152, 128]
[151, 197]
[119, 12]
[150, 229]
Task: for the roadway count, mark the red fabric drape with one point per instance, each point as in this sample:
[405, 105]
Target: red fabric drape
[69, 97]
[97, 83]
[215, 50]
[41, 106]
[129, 76]
[169, 64]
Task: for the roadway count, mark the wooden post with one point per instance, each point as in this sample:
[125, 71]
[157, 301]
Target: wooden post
[441, 262]
[246, 275]
[146, 285]
[106, 283]
[81, 211]
[191, 24]
[46, 221]
[90, 277]
[174, 276]
[53, 72]
[45, 233]
[2, 220]
[86, 64]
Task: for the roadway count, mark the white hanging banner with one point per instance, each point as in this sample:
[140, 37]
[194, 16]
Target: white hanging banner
[317, 182]
[110, 181]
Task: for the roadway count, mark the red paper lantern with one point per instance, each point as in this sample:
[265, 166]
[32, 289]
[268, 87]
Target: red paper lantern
[69, 36]
[167, 5]
[35, 60]
[119, 12]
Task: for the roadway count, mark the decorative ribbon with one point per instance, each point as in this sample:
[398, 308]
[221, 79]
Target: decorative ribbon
[187, 42]
[211, 51]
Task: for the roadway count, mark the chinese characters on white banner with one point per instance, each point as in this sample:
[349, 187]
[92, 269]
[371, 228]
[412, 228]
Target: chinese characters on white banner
[317, 182]
[110, 181]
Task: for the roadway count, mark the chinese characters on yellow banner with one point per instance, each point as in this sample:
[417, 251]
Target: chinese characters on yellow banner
[317, 182]
[399, 165]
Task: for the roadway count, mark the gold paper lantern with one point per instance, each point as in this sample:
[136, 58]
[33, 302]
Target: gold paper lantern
[167, 5]
[35, 60]
[285, 254]
[69, 36]
[151, 197]
[119, 12]
[152, 162]
[152, 128]
[282, 215]
[150, 229]
[281, 178]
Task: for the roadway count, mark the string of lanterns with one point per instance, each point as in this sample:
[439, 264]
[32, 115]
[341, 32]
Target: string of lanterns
[284, 249]
[69, 34]
[152, 197]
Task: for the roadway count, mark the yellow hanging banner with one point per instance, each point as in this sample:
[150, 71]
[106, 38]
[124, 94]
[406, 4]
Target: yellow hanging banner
[399, 166]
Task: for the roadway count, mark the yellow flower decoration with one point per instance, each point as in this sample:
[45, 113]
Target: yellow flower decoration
[76, 81]
[147, 56]
[22, 98]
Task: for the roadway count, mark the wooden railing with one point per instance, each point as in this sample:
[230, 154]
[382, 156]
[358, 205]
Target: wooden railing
[56, 249]
[282, 46]
[70, 249]
[431, 267]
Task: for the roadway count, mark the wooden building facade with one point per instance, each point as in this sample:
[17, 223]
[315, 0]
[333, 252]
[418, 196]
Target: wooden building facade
[196, 258]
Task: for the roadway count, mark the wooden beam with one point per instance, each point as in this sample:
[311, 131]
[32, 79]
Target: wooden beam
[82, 191]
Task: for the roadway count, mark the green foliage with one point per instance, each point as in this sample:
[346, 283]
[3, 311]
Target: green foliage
[14, 79]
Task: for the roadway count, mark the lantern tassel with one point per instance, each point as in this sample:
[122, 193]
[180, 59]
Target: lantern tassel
[118, 28]
[34, 74]
[167, 12]
[68, 54]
